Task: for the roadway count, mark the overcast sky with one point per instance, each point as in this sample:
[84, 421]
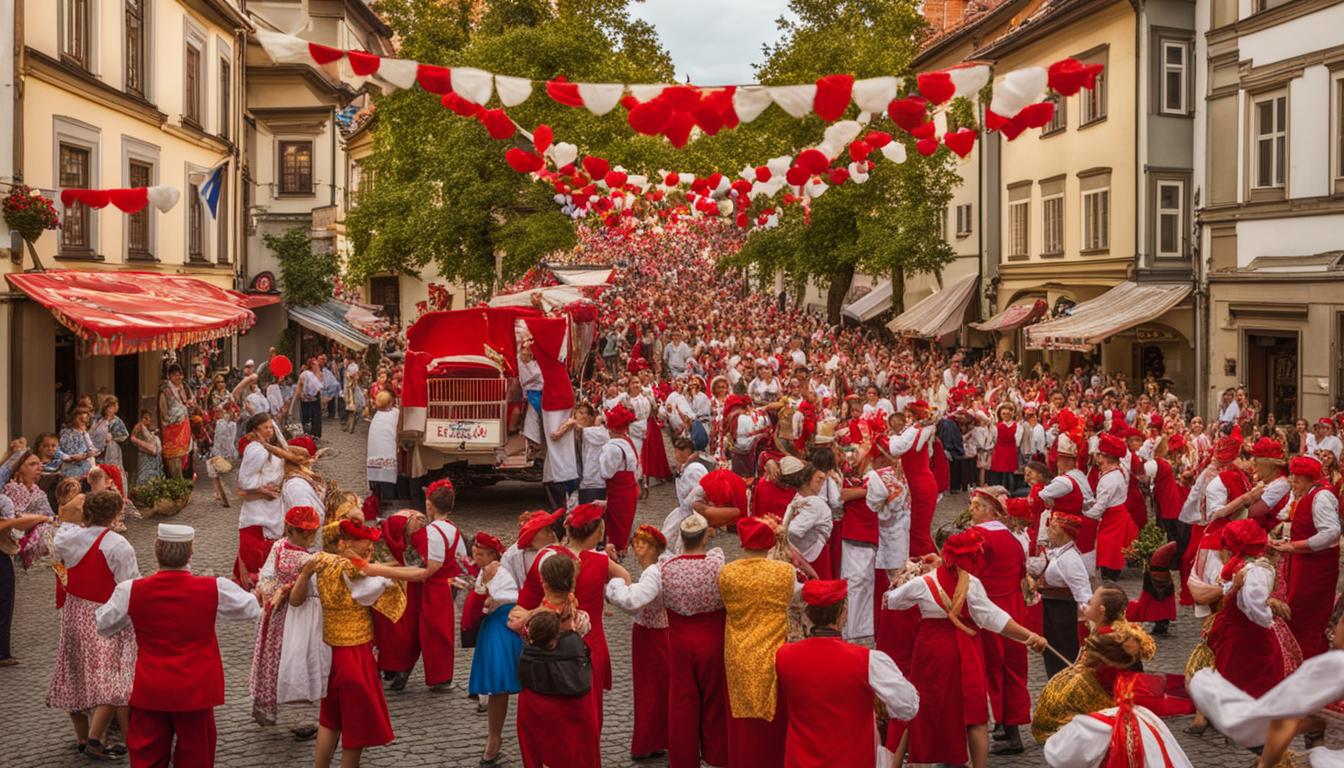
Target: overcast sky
[714, 42]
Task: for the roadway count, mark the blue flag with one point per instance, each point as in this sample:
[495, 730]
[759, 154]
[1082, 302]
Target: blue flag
[210, 188]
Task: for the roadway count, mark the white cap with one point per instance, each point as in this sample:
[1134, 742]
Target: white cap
[1065, 446]
[788, 465]
[249, 363]
[172, 532]
[694, 524]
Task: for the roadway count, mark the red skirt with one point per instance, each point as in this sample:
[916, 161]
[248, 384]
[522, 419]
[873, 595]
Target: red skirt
[1086, 540]
[622, 500]
[654, 460]
[948, 670]
[894, 631]
[1006, 667]
[755, 743]
[1149, 608]
[253, 548]
[1311, 596]
[1188, 563]
[438, 625]
[649, 676]
[923, 502]
[1115, 532]
[1244, 652]
[399, 642]
[555, 731]
[354, 704]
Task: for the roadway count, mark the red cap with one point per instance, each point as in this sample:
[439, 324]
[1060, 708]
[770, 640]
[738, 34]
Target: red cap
[1176, 443]
[919, 407]
[1246, 538]
[755, 534]
[964, 550]
[1306, 466]
[356, 531]
[442, 482]
[825, 592]
[1067, 521]
[1267, 448]
[1325, 421]
[486, 541]
[653, 533]
[1163, 556]
[1019, 507]
[535, 523]
[584, 514]
[303, 518]
[1111, 445]
[1227, 448]
[620, 417]
[305, 442]
[723, 488]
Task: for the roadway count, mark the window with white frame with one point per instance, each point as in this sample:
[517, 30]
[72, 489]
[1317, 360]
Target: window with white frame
[1170, 218]
[1270, 120]
[964, 220]
[1057, 122]
[1097, 219]
[76, 17]
[1175, 67]
[1019, 228]
[135, 46]
[1092, 103]
[1052, 225]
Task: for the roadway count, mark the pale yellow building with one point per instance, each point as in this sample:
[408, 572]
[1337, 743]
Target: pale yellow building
[117, 94]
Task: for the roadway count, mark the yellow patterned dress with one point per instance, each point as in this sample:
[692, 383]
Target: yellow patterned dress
[354, 704]
[756, 593]
[1083, 687]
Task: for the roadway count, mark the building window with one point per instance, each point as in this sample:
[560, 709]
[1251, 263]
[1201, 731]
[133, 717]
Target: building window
[195, 223]
[77, 221]
[76, 32]
[1271, 141]
[1094, 101]
[1097, 220]
[942, 224]
[1058, 122]
[191, 86]
[1170, 218]
[135, 46]
[222, 221]
[225, 116]
[1175, 100]
[137, 224]
[296, 167]
[1052, 225]
[1019, 228]
[964, 220]
[1265, 5]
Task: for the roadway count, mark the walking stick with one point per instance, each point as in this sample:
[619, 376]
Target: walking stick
[1051, 648]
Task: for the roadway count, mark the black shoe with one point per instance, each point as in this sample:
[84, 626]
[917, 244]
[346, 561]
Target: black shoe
[1159, 628]
[399, 681]
[96, 751]
[388, 675]
[304, 732]
[654, 755]
[999, 733]
[1012, 747]
[491, 762]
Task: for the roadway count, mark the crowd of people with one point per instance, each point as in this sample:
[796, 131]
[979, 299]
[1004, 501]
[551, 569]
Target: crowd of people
[825, 451]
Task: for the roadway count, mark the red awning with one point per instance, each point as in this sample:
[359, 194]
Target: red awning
[255, 300]
[118, 312]
[1014, 317]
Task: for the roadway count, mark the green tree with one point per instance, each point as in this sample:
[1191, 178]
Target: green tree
[887, 226]
[443, 194]
[305, 277]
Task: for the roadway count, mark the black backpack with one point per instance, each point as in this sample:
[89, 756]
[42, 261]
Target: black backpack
[565, 671]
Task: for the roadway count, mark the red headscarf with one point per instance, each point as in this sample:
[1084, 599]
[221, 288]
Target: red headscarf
[964, 550]
[755, 535]
[1111, 445]
[1267, 448]
[1244, 539]
[486, 541]
[620, 417]
[723, 488]
[1305, 466]
[1227, 449]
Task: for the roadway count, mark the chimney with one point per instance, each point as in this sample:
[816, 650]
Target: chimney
[943, 15]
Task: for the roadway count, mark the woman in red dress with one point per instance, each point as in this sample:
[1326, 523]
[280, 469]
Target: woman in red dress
[585, 528]
[1245, 650]
[1313, 554]
[948, 665]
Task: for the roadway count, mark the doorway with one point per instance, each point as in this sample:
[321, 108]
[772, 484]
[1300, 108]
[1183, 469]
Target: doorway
[66, 376]
[1271, 372]
[126, 386]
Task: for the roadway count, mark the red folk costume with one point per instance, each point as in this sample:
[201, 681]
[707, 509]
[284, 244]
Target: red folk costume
[1115, 525]
[589, 588]
[915, 463]
[1245, 649]
[1312, 574]
[623, 486]
[441, 542]
[558, 730]
[1004, 565]
[1004, 457]
[698, 693]
[179, 678]
[398, 641]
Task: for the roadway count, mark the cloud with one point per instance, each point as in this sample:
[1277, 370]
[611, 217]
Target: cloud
[714, 42]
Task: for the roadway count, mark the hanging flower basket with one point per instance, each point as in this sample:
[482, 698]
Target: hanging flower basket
[29, 212]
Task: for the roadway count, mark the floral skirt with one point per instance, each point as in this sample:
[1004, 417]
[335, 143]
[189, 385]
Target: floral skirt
[91, 670]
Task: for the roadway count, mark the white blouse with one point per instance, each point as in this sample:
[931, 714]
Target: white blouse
[1085, 741]
[72, 542]
[915, 594]
[1253, 597]
[1112, 489]
[810, 527]
[258, 468]
[1063, 567]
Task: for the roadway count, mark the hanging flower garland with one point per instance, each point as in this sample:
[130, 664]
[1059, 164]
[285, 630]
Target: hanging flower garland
[131, 200]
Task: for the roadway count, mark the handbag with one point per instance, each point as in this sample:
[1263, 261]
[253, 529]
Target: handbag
[565, 671]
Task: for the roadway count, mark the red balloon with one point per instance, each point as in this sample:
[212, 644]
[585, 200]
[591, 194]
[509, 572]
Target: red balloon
[280, 366]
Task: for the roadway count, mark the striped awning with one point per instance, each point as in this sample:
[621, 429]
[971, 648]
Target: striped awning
[583, 277]
[869, 305]
[939, 314]
[1014, 317]
[1119, 309]
[329, 319]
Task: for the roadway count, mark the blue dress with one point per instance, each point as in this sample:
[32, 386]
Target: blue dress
[494, 664]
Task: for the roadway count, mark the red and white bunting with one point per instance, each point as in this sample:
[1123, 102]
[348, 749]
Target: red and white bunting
[128, 200]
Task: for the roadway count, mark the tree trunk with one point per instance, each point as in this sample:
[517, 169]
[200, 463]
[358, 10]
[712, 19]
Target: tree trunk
[897, 291]
[841, 279]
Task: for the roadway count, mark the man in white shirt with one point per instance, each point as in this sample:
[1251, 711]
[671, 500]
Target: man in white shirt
[310, 398]
[1323, 438]
[676, 354]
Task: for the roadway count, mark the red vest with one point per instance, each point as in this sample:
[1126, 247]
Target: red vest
[91, 578]
[1071, 502]
[771, 498]
[860, 522]
[1166, 492]
[1005, 564]
[450, 569]
[1303, 526]
[177, 666]
[915, 462]
[823, 684]
[1004, 458]
[531, 593]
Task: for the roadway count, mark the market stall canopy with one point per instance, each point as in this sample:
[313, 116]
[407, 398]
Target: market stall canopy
[583, 277]
[1014, 317]
[869, 305]
[255, 300]
[330, 319]
[939, 314]
[122, 312]
[1119, 309]
[553, 298]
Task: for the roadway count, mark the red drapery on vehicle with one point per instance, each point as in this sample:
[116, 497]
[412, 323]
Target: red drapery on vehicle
[550, 335]
[118, 313]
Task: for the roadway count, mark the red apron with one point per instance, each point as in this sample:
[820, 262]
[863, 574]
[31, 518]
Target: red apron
[1311, 580]
[438, 624]
[622, 500]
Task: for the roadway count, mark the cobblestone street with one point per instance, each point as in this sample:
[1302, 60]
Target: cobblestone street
[432, 729]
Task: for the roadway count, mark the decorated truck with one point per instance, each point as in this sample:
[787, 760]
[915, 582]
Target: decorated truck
[462, 403]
